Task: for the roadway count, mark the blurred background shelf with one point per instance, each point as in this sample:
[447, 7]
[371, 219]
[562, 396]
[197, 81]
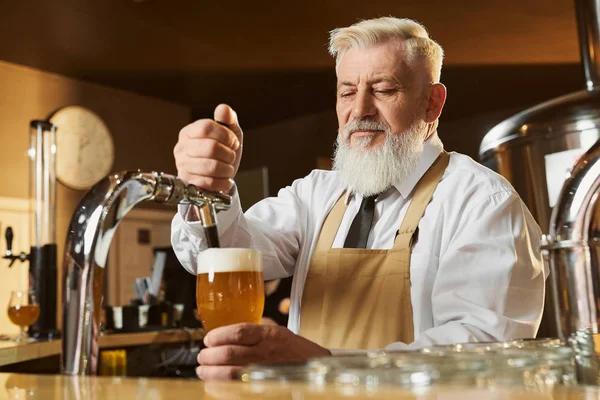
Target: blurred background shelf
[13, 353]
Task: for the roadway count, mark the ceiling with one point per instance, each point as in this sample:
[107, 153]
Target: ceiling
[269, 58]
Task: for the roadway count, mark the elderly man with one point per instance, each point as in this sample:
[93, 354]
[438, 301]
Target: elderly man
[402, 246]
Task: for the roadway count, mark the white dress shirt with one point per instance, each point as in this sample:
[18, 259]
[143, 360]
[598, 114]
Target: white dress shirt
[476, 271]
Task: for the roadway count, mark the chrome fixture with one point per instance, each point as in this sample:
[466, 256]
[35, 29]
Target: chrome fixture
[91, 230]
[572, 249]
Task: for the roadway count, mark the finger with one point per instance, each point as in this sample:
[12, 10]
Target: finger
[210, 148]
[226, 116]
[228, 355]
[209, 129]
[220, 373]
[207, 182]
[240, 334]
[206, 167]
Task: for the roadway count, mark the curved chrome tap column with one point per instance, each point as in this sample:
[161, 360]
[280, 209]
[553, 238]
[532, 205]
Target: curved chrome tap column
[573, 250]
[88, 240]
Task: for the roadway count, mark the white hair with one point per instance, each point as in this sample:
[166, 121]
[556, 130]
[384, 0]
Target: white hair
[370, 32]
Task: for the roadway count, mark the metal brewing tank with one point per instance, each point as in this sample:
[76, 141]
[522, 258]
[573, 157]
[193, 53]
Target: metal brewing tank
[536, 148]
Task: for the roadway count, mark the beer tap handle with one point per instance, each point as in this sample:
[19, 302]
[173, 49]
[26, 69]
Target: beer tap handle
[8, 255]
[9, 240]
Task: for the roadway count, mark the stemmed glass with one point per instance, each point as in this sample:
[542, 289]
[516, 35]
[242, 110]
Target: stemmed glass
[23, 310]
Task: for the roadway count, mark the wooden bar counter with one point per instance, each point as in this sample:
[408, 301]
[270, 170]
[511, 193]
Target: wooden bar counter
[12, 353]
[54, 387]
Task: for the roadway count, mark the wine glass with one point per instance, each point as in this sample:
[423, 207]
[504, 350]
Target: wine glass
[23, 310]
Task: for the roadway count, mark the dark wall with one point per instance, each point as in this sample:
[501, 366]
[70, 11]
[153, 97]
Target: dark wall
[289, 148]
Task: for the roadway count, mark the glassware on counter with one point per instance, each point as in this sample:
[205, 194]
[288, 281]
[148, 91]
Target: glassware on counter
[23, 310]
[292, 372]
[529, 364]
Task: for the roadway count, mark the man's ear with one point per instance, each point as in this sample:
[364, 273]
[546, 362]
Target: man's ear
[435, 103]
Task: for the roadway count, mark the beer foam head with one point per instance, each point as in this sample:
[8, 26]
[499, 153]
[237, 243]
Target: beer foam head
[229, 260]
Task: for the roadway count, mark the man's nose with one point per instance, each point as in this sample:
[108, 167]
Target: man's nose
[364, 105]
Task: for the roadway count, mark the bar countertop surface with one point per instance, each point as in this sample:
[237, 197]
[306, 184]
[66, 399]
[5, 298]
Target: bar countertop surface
[54, 387]
[12, 352]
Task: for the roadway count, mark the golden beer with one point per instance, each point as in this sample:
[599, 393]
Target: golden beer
[229, 287]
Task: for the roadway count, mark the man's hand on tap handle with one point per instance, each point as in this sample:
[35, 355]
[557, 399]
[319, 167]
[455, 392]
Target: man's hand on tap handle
[208, 152]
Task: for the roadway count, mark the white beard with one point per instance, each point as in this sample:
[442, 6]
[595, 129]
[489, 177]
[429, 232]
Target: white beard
[373, 171]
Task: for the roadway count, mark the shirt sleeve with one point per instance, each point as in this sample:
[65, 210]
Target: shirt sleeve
[490, 282]
[275, 226]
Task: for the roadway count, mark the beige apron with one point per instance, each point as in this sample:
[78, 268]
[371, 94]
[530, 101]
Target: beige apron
[359, 298]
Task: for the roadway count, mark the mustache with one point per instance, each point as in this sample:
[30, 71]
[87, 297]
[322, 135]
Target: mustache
[365, 125]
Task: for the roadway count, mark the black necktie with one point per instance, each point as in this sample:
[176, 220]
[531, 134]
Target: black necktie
[361, 225]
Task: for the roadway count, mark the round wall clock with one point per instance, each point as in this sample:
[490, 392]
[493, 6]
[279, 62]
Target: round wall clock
[84, 147]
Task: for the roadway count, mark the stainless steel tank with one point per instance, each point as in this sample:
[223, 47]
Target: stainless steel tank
[535, 149]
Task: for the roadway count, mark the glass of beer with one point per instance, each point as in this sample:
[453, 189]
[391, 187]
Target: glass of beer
[229, 287]
[23, 310]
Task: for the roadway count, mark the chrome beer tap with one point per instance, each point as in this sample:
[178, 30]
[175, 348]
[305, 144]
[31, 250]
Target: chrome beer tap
[91, 230]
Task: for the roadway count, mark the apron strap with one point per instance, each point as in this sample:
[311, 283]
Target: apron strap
[422, 196]
[332, 224]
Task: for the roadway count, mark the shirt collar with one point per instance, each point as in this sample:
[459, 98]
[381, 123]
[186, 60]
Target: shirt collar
[431, 151]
